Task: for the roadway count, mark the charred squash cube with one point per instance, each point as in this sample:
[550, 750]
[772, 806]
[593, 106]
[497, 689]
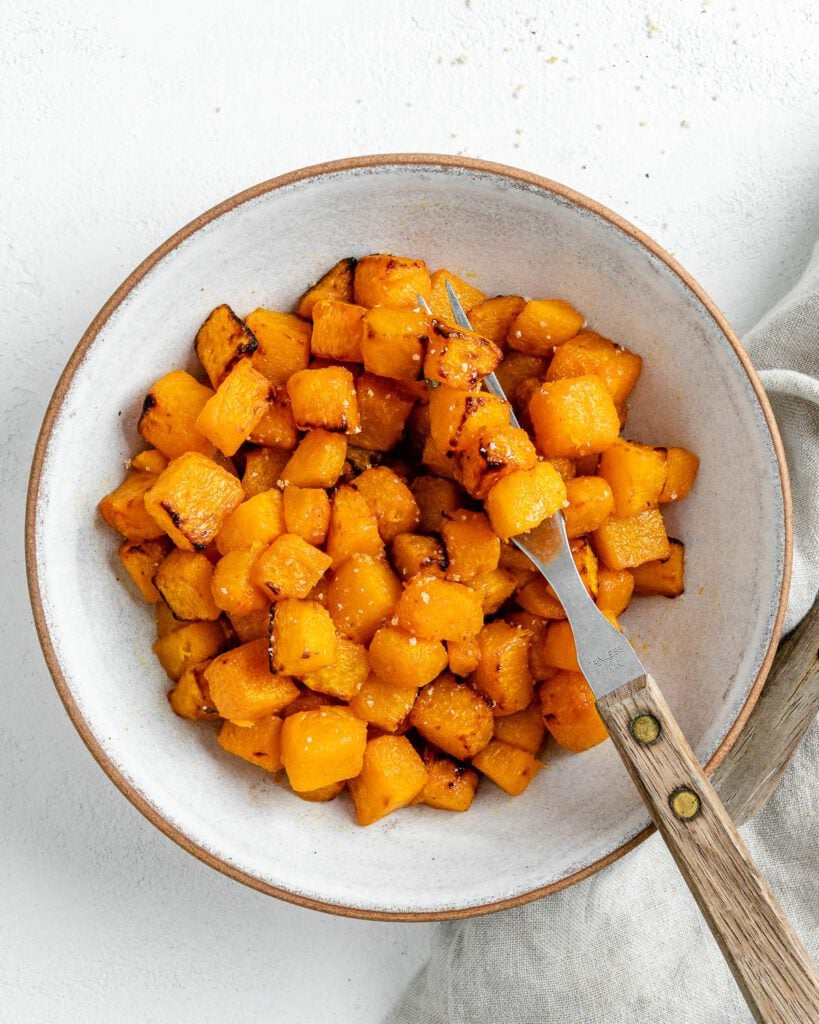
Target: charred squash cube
[383, 409]
[141, 561]
[663, 577]
[302, 637]
[518, 367]
[440, 610]
[492, 455]
[450, 786]
[413, 553]
[390, 499]
[457, 417]
[353, 527]
[184, 580]
[276, 428]
[263, 467]
[385, 280]
[402, 659]
[457, 357]
[589, 352]
[522, 500]
[435, 497]
[169, 415]
[321, 747]
[336, 284]
[542, 324]
[391, 777]
[240, 401]
[346, 674]
[394, 342]
[570, 713]
[222, 340]
[503, 675]
[125, 509]
[574, 417]
[453, 717]
[338, 331]
[318, 460]
[290, 567]
[242, 686]
[283, 344]
[190, 697]
[472, 546]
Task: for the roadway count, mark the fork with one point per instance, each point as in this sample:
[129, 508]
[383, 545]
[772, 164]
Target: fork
[771, 966]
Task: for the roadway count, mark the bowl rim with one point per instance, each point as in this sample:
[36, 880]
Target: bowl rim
[443, 161]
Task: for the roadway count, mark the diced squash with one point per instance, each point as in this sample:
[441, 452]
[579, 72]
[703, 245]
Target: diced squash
[169, 415]
[521, 501]
[458, 357]
[141, 562]
[383, 704]
[150, 461]
[557, 647]
[472, 547]
[457, 417]
[614, 590]
[467, 294]
[221, 342]
[434, 497]
[232, 586]
[570, 713]
[290, 567]
[337, 284]
[188, 645]
[413, 553]
[385, 280]
[493, 317]
[449, 786]
[307, 700]
[589, 352]
[323, 794]
[453, 717]
[663, 577]
[524, 729]
[242, 686]
[509, 767]
[383, 409]
[322, 747]
[184, 580]
[401, 659]
[542, 324]
[538, 598]
[276, 428]
[567, 468]
[251, 626]
[681, 471]
[324, 399]
[259, 520]
[503, 675]
[573, 417]
[362, 596]
[518, 367]
[125, 510]
[283, 344]
[345, 675]
[585, 561]
[260, 743]
[263, 467]
[166, 621]
[302, 638]
[464, 656]
[591, 502]
[240, 401]
[626, 543]
[338, 331]
[394, 342]
[307, 512]
[439, 461]
[439, 610]
[318, 460]
[392, 776]
[190, 697]
[492, 455]
[353, 527]
[495, 587]
[191, 500]
[636, 474]
[390, 499]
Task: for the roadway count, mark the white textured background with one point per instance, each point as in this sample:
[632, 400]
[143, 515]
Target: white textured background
[119, 122]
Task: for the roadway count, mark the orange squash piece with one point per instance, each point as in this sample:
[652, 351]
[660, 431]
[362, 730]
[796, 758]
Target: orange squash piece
[362, 596]
[125, 510]
[307, 512]
[184, 580]
[401, 659]
[681, 471]
[456, 417]
[472, 547]
[591, 502]
[150, 461]
[464, 656]
[439, 610]
[345, 675]
[636, 474]
[542, 324]
[493, 317]
[458, 357]
[453, 717]
[382, 704]
[322, 747]
[626, 543]
[232, 586]
[413, 553]
[259, 520]
[221, 342]
[467, 294]
[614, 590]
[336, 284]
[383, 409]
[385, 280]
[522, 500]
[190, 697]
[490, 456]
[495, 587]
[538, 598]
[324, 399]
[188, 645]
[434, 497]
[353, 527]
[524, 729]
[390, 500]
[503, 675]
[253, 625]
[508, 767]
[283, 344]
[242, 686]
[276, 428]
[302, 638]
[260, 743]
[518, 367]
[450, 786]
[394, 342]
[141, 562]
[569, 712]
[263, 468]
[169, 415]
[290, 567]
[662, 577]
[573, 417]
[318, 460]
[589, 352]
[231, 414]
[338, 331]
[391, 777]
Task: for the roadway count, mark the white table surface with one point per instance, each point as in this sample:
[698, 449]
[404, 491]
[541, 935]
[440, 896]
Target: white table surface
[122, 121]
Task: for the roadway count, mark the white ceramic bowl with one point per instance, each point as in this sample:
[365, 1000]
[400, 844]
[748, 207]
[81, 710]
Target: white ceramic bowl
[709, 650]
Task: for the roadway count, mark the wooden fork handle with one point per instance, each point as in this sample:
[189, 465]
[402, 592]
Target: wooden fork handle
[768, 961]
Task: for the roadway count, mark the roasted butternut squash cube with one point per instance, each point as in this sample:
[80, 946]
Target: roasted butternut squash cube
[450, 786]
[434, 497]
[383, 409]
[524, 729]
[169, 415]
[392, 776]
[589, 352]
[467, 294]
[353, 527]
[324, 399]
[260, 743]
[495, 587]
[221, 342]
[458, 357]
[493, 317]
[439, 610]
[322, 747]
[438, 461]
[626, 543]
[191, 500]
[492, 455]
[636, 474]
[385, 280]
[184, 580]
[557, 647]
[338, 331]
[464, 656]
[318, 460]
[394, 342]
[457, 417]
[290, 567]
[570, 713]
[453, 717]
[241, 400]
[472, 547]
[190, 697]
[259, 520]
[251, 626]
[362, 596]
[402, 659]
[413, 553]
[125, 510]
[188, 645]
[242, 686]
[681, 471]
[150, 461]
[503, 675]
[614, 590]
[276, 428]
[307, 512]
[141, 562]
[166, 621]
[302, 638]
[390, 500]
[518, 367]
[382, 704]
[510, 768]
[567, 468]
[308, 700]
[538, 598]
[232, 586]
[663, 577]
[283, 344]
[591, 502]
[263, 468]
[543, 324]
[337, 284]
[573, 417]
[345, 676]
[323, 794]
[521, 501]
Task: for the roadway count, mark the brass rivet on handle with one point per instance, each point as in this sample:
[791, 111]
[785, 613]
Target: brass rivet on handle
[685, 803]
[645, 728]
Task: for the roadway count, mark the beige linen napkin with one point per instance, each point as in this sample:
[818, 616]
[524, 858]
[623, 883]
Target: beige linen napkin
[585, 956]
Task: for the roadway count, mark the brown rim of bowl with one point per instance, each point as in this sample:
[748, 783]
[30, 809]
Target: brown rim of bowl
[333, 167]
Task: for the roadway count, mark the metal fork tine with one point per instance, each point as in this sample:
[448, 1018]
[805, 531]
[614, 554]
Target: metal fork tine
[422, 302]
